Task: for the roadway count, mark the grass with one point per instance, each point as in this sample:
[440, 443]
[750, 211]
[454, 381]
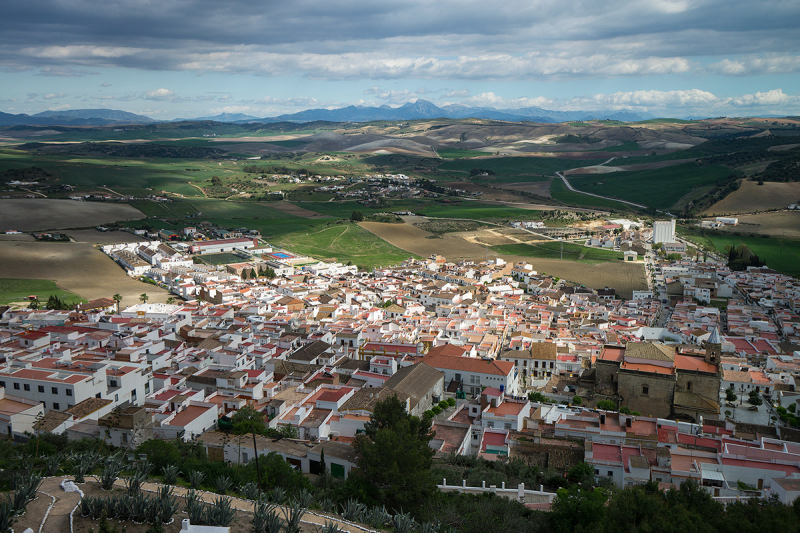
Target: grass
[660, 188]
[627, 146]
[552, 250]
[560, 192]
[782, 255]
[344, 243]
[457, 153]
[290, 143]
[18, 290]
[516, 166]
[222, 259]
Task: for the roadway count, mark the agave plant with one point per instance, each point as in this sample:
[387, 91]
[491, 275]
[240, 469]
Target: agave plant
[293, 513]
[166, 503]
[328, 505]
[170, 474]
[403, 523]
[134, 483]
[195, 508]
[250, 491]
[139, 506]
[195, 477]
[83, 465]
[220, 513]
[87, 504]
[223, 484]
[53, 465]
[277, 495]
[144, 469]
[304, 498]
[266, 519]
[353, 510]
[7, 515]
[429, 527]
[329, 527]
[377, 517]
[110, 474]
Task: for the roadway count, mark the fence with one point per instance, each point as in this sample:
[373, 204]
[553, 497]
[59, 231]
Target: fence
[520, 493]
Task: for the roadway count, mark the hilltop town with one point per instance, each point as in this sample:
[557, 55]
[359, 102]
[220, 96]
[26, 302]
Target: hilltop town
[691, 379]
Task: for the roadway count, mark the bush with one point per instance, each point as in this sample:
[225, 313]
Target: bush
[577, 400]
[436, 409]
[452, 402]
[607, 405]
[444, 405]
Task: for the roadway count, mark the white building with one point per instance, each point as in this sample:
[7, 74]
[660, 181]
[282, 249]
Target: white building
[663, 231]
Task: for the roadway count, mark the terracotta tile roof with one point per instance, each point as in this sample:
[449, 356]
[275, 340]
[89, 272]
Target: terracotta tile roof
[87, 407]
[51, 420]
[469, 364]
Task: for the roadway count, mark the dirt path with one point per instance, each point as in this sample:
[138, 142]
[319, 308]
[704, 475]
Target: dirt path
[58, 519]
[198, 188]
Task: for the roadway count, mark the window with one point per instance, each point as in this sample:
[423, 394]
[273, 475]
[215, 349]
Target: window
[3, 384]
[69, 392]
[490, 424]
[244, 456]
[645, 389]
[97, 395]
[41, 388]
[458, 377]
[112, 383]
[689, 386]
[54, 390]
[610, 473]
[56, 406]
[507, 425]
[27, 387]
[16, 386]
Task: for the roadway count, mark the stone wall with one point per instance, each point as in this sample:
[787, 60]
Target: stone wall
[657, 401]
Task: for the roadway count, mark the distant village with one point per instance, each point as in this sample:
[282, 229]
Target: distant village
[693, 378]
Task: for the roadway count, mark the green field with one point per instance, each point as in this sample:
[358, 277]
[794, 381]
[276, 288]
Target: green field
[560, 192]
[457, 153]
[222, 259]
[515, 166]
[18, 290]
[782, 255]
[661, 188]
[628, 146]
[553, 250]
[344, 243]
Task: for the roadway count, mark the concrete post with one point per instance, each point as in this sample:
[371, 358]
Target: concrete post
[521, 492]
[464, 483]
[503, 486]
[483, 484]
[493, 489]
[541, 488]
[444, 482]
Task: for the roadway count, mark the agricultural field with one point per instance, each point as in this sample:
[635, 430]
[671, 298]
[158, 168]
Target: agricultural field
[345, 243]
[779, 254]
[424, 244]
[660, 188]
[40, 214]
[558, 250]
[75, 267]
[780, 224]
[18, 290]
[514, 169]
[751, 197]
[94, 236]
[622, 276]
[559, 191]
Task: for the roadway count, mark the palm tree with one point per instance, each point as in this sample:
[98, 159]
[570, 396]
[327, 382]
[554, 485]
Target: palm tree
[117, 298]
[143, 297]
[170, 300]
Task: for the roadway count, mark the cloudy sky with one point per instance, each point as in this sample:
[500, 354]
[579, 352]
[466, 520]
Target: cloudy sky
[189, 58]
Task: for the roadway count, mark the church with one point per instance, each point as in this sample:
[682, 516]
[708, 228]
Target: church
[661, 381]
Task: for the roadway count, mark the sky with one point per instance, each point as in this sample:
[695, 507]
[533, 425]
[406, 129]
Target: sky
[189, 58]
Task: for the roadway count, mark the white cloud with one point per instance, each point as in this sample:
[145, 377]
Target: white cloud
[756, 65]
[51, 96]
[775, 97]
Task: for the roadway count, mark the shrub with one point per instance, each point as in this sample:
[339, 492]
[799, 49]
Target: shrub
[436, 409]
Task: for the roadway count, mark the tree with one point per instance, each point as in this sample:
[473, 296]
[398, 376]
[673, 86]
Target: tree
[248, 420]
[357, 216]
[730, 395]
[143, 297]
[538, 397]
[754, 398]
[582, 473]
[215, 181]
[170, 300]
[577, 400]
[117, 299]
[607, 405]
[395, 457]
[578, 509]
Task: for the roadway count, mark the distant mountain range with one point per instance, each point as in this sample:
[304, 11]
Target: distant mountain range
[421, 109]
[75, 117]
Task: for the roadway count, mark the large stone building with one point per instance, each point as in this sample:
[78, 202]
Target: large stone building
[656, 380]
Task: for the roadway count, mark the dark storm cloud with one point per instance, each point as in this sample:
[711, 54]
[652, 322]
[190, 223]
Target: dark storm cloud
[391, 39]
